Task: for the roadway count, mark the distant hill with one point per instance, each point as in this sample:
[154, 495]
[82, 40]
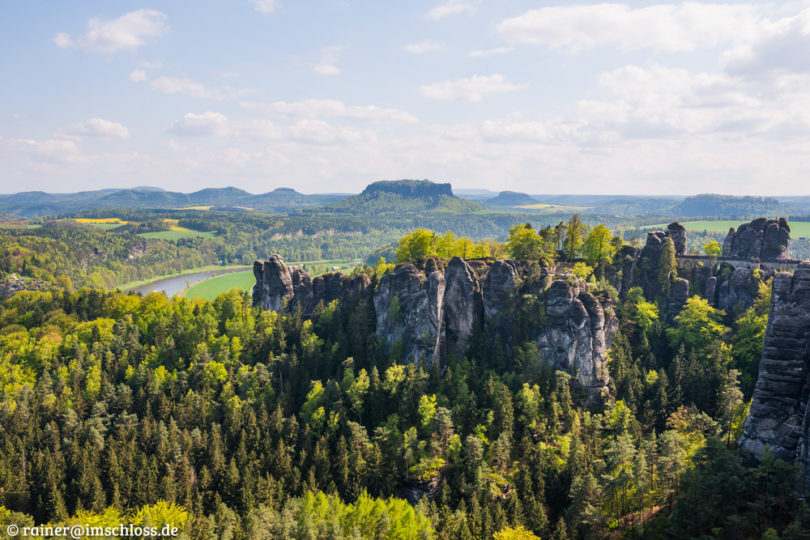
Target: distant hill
[476, 195]
[39, 203]
[730, 206]
[510, 198]
[287, 199]
[404, 197]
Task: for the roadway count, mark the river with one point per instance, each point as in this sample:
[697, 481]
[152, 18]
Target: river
[176, 284]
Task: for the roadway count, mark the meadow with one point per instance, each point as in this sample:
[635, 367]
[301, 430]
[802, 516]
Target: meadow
[211, 288]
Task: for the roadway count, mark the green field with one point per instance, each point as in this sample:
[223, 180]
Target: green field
[211, 288]
[798, 229]
[177, 235]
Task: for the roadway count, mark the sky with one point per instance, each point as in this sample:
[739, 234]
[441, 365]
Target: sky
[330, 95]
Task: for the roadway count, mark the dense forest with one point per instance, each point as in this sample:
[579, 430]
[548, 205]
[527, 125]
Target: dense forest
[242, 423]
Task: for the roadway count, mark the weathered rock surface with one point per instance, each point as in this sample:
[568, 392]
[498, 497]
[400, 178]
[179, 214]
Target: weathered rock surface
[763, 238]
[677, 232]
[739, 291]
[277, 283]
[647, 265]
[410, 311]
[676, 299]
[274, 283]
[463, 301]
[498, 297]
[780, 417]
[574, 337]
[729, 284]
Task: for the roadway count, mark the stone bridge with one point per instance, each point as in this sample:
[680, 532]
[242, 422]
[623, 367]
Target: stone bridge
[772, 265]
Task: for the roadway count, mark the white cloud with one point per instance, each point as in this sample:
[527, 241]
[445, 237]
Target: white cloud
[423, 47]
[328, 63]
[98, 127]
[319, 132]
[329, 108]
[198, 125]
[127, 32]
[62, 40]
[784, 46]
[184, 86]
[265, 6]
[659, 102]
[450, 7]
[137, 75]
[188, 87]
[484, 53]
[46, 152]
[326, 69]
[471, 89]
[664, 27]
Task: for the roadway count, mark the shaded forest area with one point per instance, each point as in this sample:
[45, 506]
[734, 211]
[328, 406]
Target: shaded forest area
[249, 423]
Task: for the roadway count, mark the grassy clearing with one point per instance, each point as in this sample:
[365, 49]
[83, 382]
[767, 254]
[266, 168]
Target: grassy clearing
[211, 288]
[798, 229]
[205, 208]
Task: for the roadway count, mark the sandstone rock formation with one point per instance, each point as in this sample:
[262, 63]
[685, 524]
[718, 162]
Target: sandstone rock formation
[677, 297]
[273, 283]
[677, 232]
[732, 285]
[763, 238]
[463, 301]
[780, 417]
[574, 338]
[410, 311]
[278, 283]
[738, 291]
[424, 315]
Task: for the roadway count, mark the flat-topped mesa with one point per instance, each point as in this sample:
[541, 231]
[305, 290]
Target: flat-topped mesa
[409, 188]
[762, 238]
[425, 315]
[780, 410]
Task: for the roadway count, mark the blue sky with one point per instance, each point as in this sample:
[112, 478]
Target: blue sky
[328, 96]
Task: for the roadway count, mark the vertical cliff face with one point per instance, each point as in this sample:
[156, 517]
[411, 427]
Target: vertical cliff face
[463, 304]
[427, 314]
[677, 232]
[575, 337]
[738, 291]
[279, 284]
[499, 295]
[273, 283]
[410, 312]
[780, 417]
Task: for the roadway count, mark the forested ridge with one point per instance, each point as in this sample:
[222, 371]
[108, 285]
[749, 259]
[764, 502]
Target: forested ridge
[251, 424]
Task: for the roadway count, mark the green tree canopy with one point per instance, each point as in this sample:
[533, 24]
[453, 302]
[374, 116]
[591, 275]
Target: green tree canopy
[524, 243]
[598, 248]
